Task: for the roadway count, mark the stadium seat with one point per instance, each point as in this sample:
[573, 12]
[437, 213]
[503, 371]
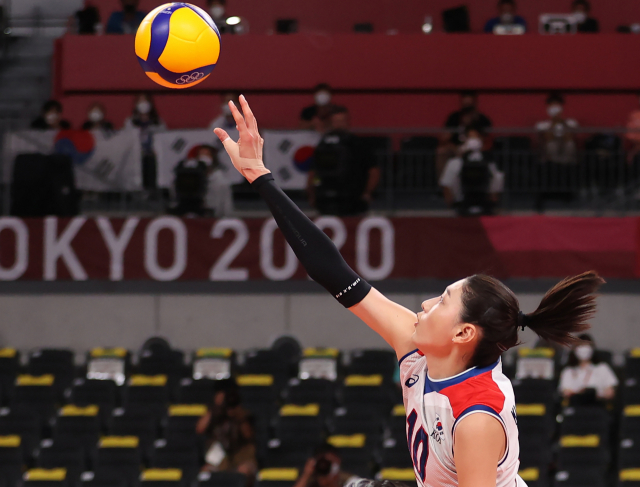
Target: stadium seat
[88, 479]
[81, 423]
[112, 364]
[405, 475]
[102, 393]
[9, 367]
[582, 476]
[320, 363]
[144, 428]
[117, 458]
[162, 477]
[36, 394]
[630, 394]
[265, 361]
[317, 391]
[52, 455]
[582, 453]
[535, 475]
[356, 455]
[214, 363]
[57, 362]
[221, 479]
[632, 364]
[25, 424]
[535, 363]
[292, 453]
[11, 459]
[298, 423]
[370, 362]
[366, 393]
[397, 424]
[536, 391]
[258, 394]
[176, 455]
[149, 393]
[395, 455]
[277, 477]
[192, 391]
[156, 361]
[350, 421]
[180, 423]
[586, 420]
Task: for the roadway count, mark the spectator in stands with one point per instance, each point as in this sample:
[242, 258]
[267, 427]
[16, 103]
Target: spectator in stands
[344, 173]
[323, 469]
[229, 432]
[96, 119]
[633, 134]
[127, 20]
[217, 10]
[145, 118]
[225, 121]
[584, 375]
[86, 21]
[506, 17]
[557, 138]
[219, 197]
[456, 122]
[581, 10]
[51, 117]
[471, 183]
[316, 116]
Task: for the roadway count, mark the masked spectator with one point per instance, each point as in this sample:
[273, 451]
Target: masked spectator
[581, 10]
[96, 119]
[127, 20]
[51, 117]
[456, 122]
[344, 173]
[471, 182]
[324, 470]
[506, 17]
[86, 21]
[316, 116]
[225, 121]
[584, 375]
[145, 118]
[557, 137]
[229, 434]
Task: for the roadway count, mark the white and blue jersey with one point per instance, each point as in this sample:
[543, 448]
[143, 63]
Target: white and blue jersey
[435, 407]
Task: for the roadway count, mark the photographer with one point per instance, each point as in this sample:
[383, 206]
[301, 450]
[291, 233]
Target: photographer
[323, 470]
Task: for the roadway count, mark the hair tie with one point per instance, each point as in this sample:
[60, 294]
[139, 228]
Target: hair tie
[522, 320]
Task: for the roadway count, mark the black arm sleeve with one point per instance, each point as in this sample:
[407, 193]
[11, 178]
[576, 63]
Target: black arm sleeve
[312, 246]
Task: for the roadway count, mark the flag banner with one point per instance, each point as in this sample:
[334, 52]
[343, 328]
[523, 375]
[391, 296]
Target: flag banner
[288, 154]
[173, 146]
[102, 161]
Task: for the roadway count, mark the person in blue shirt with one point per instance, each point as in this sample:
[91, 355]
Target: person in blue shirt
[127, 20]
[507, 17]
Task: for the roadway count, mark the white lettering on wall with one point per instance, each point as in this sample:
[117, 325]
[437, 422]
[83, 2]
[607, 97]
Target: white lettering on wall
[56, 247]
[179, 231]
[221, 270]
[21, 261]
[116, 244]
[387, 248]
[266, 255]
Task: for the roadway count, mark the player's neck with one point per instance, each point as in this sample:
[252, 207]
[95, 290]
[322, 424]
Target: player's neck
[444, 367]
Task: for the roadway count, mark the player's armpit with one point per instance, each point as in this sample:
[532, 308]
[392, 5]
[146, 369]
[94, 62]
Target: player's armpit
[393, 322]
[479, 445]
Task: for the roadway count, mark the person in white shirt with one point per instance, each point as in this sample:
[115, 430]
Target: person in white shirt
[219, 197]
[557, 138]
[582, 373]
[470, 150]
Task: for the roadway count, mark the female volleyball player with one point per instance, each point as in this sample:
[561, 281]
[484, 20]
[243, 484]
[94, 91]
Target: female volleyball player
[461, 421]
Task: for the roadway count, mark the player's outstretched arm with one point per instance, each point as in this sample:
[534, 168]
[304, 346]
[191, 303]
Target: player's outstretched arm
[314, 249]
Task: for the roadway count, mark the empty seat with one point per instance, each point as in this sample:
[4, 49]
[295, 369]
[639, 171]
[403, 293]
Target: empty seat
[291, 453]
[319, 363]
[221, 479]
[270, 362]
[44, 477]
[180, 424]
[134, 423]
[258, 393]
[632, 364]
[405, 475]
[52, 455]
[586, 420]
[9, 367]
[161, 361]
[535, 391]
[108, 364]
[36, 394]
[147, 392]
[176, 455]
[25, 424]
[311, 391]
[397, 424]
[214, 363]
[88, 479]
[351, 421]
[57, 362]
[369, 362]
[395, 455]
[299, 423]
[11, 459]
[117, 458]
[192, 391]
[356, 455]
[81, 423]
[581, 477]
[277, 477]
[366, 393]
[102, 393]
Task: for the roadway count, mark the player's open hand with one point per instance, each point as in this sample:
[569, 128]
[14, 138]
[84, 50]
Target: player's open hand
[246, 154]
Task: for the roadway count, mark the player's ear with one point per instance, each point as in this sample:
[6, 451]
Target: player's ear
[465, 333]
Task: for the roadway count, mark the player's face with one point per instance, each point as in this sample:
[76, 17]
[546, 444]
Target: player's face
[438, 320]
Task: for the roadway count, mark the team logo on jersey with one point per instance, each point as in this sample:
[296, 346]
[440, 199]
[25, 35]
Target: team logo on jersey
[513, 413]
[412, 380]
[438, 431]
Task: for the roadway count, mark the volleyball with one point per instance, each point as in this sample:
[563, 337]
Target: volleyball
[177, 45]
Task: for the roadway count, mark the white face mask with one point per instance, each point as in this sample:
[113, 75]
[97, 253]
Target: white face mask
[322, 98]
[206, 159]
[143, 107]
[217, 11]
[580, 17]
[473, 144]
[584, 352]
[52, 118]
[96, 115]
[226, 111]
[554, 110]
[506, 18]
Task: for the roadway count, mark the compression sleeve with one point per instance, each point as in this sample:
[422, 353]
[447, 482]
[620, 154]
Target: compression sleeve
[312, 246]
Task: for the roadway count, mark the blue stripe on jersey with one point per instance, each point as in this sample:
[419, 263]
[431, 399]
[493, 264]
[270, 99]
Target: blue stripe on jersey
[437, 386]
[405, 356]
[488, 410]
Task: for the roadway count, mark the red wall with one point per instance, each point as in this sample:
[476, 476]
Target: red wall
[406, 16]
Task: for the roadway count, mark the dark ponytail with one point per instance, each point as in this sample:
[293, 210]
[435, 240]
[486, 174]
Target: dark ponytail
[564, 311]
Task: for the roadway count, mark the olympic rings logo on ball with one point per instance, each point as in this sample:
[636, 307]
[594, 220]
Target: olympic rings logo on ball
[189, 78]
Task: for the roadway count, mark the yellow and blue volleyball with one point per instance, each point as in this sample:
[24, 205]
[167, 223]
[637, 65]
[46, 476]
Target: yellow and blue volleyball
[177, 45]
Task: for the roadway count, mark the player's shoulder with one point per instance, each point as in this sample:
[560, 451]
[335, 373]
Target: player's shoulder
[475, 388]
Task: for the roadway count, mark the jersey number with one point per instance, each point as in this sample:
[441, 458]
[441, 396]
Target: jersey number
[420, 463]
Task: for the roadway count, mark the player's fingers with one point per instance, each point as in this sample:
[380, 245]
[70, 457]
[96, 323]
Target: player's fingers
[222, 134]
[229, 144]
[237, 116]
[252, 123]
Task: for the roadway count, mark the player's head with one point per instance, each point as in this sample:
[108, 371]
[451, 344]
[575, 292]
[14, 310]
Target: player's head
[479, 317]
